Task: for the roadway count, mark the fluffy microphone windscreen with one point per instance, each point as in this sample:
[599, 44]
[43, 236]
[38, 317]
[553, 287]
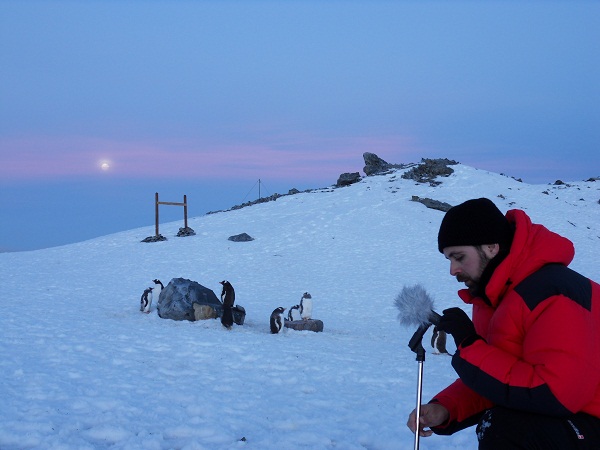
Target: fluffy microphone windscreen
[414, 305]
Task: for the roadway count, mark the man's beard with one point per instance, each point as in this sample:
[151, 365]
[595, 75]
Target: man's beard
[473, 284]
[470, 283]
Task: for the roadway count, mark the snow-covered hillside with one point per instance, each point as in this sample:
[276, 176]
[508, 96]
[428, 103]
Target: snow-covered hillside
[82, 368]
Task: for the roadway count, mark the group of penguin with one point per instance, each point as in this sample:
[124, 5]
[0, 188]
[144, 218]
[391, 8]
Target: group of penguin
[302, 311]
[227, 298]
[146, 300]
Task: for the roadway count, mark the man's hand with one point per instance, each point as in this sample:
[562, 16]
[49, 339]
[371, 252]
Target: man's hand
[456, 322]
[432, 415]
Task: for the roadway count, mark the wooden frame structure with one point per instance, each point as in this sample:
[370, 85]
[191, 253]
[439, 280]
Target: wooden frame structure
[184, 204]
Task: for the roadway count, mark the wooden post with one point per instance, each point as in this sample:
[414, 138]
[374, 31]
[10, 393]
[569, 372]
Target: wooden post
[185, 211]
[184, 204]
[156, 212]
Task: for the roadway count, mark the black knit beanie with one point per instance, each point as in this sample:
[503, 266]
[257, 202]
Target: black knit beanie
[474, 222]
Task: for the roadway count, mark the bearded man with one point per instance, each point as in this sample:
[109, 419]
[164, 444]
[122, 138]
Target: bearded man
[529, 361]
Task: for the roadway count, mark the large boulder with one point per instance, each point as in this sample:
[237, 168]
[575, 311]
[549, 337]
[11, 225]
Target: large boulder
[176, 300]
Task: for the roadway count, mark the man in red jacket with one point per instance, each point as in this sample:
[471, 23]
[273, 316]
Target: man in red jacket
[529, 361]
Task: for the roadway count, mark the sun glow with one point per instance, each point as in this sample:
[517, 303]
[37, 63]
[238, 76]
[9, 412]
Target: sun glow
[105, 165]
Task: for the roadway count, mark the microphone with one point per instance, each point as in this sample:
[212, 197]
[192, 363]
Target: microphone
[415, 307]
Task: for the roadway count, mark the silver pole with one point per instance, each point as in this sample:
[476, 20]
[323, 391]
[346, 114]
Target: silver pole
[416, 345]
[418, 408]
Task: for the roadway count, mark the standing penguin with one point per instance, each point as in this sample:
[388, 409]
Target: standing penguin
[306, 306]
[146, 300]
[294, 313]
[228, 299]
[276, 320]
[157, 288]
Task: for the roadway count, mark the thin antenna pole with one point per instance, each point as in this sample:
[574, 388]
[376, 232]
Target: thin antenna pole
[259, 197]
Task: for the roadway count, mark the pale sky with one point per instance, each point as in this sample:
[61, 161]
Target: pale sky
[206, 97]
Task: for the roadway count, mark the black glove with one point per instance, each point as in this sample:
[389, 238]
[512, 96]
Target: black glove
[457, 323]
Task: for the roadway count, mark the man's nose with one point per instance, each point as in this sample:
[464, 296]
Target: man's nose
[454, 268]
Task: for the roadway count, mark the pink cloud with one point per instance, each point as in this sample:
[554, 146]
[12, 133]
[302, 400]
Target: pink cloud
[283, 157]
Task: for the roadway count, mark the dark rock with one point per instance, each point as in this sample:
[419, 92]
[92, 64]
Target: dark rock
[346, 179]
[176, 301]
[240, 238]
[158, 238]
[239, 314]
[432, 204]
[186, 231]
[300, 325]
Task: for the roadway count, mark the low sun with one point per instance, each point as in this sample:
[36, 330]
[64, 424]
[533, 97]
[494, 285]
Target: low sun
[105, 165]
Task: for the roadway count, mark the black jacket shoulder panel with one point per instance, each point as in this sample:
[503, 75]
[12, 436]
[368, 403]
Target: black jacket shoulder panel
[555, 279]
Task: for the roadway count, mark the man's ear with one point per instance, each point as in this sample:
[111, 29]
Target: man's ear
[491, 250]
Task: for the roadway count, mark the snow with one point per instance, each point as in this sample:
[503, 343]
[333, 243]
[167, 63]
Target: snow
[82, 368]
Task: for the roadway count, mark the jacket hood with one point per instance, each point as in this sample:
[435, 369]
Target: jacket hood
[533, 247]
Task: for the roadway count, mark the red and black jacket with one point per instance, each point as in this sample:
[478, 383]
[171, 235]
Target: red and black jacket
[540, 325]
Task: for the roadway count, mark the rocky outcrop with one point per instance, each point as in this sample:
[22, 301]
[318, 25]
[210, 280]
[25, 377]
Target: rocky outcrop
[429, 170]
[424, 172]
[374, 164]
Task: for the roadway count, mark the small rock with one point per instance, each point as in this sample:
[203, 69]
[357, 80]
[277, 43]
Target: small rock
[240, 238]
[158, 238]
[185, 231]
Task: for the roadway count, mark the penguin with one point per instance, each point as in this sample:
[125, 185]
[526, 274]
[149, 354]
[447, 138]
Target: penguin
[146, 300]
[306, 306]
[294, 313]
[228, 299]
[157, 288]
[276, 322]
[438, 341]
